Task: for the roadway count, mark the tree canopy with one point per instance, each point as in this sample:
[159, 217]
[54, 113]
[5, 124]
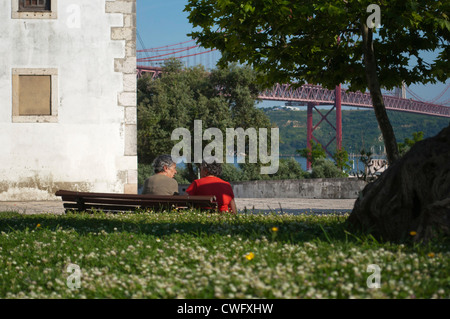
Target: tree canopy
[320, 41]
[223, 98]
[329, 42]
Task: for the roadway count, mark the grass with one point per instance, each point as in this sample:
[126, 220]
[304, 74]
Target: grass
[196, 255]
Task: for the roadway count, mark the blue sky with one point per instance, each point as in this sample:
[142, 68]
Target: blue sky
[163, 22]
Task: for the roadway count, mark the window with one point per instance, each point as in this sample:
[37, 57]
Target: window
[34, 93]
[34, 5]
[33, 9]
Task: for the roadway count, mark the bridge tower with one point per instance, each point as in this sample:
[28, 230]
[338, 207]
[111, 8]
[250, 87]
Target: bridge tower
[337, 128]
[400, 91]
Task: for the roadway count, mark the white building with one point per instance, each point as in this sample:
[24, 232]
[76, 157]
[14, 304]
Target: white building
[67, 97]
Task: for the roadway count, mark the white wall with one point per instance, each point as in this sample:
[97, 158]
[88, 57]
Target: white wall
[84, 150]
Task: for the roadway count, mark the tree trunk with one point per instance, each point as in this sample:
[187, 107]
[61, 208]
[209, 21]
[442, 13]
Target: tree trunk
[390, 141]
[191, 172]
[411, 199]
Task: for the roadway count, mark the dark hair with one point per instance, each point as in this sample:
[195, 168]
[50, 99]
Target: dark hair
[161, 161]
[213, 168]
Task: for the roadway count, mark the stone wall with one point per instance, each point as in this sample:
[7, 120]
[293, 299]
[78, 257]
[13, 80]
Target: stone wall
[325, 188]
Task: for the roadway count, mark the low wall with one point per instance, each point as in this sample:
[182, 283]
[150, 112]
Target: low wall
[325, 188]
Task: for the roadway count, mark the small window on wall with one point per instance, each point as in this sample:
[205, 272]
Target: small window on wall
[34, 5]
[33, 9]
[35, 95]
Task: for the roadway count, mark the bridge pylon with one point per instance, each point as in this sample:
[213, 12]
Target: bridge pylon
[310, 127]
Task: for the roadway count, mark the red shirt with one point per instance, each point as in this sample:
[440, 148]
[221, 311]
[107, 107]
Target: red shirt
[211, 185]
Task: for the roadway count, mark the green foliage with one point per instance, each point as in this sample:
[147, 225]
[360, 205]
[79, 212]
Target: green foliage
[144, 172]
[408, 143]
[325, 168]
[342, 160]
[224, 98]
[359, 128]
[251, 172]
[316, 152]
[289, 169]
[183, 176]
[231, 173]
[329, 42]
[322, 41]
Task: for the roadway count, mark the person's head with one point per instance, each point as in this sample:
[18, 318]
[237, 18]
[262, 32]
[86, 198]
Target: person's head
[214, 169]
[164, 164]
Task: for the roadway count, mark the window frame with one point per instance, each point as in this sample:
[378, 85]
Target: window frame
[18, 13]
[53, 117]
[47, 3]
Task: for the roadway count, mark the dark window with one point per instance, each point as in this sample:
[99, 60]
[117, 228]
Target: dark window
[34, 5]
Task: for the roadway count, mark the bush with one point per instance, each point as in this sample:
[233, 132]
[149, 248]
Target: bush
[325, 168]
[144, 172]
[289, 169]
[231, 173]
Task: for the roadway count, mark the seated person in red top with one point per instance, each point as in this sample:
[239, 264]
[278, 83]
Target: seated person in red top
[211, 184]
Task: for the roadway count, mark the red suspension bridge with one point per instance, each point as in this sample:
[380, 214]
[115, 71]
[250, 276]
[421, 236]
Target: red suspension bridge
[150, 61]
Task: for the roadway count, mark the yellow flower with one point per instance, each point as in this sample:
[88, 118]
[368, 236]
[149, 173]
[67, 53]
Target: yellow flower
[38, 225]
[250, 256]
[274, 229]
[413, 233]
[431, 255]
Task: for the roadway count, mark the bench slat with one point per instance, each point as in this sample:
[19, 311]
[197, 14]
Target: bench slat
[72, 194]
[113, 208]
[134, 201]
[143, 203]
[112, 202]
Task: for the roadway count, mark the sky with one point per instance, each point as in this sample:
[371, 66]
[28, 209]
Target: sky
[163, 22]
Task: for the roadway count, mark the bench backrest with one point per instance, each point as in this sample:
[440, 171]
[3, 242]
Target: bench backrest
[112, 202]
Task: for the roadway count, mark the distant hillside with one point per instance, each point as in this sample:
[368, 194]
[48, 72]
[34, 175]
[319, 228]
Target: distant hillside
[359, 128]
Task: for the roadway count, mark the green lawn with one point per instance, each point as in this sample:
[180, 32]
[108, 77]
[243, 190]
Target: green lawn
[197, 255]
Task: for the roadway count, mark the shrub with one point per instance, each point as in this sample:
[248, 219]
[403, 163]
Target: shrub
[325, 168]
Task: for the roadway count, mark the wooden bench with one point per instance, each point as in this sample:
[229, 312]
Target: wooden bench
[111, 202]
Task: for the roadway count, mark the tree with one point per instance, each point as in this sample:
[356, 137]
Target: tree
[289, 169]
[342, 160]
[329, 42]
[408, 143]
[221, 99]
[410, 200]
[316, 152]
[174, 101]
[325, 168]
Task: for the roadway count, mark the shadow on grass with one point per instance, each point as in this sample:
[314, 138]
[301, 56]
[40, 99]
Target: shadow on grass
[274, 227]
[254, 226]
[331, 229]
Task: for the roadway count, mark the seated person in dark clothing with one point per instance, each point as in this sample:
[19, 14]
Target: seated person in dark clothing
[162, 182]
[211, 184]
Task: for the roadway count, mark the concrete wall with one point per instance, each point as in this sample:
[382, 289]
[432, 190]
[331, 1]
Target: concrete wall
[325, 188]
[90, 142]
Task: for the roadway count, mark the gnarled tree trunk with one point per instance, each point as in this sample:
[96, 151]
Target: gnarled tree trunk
[412, 195]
